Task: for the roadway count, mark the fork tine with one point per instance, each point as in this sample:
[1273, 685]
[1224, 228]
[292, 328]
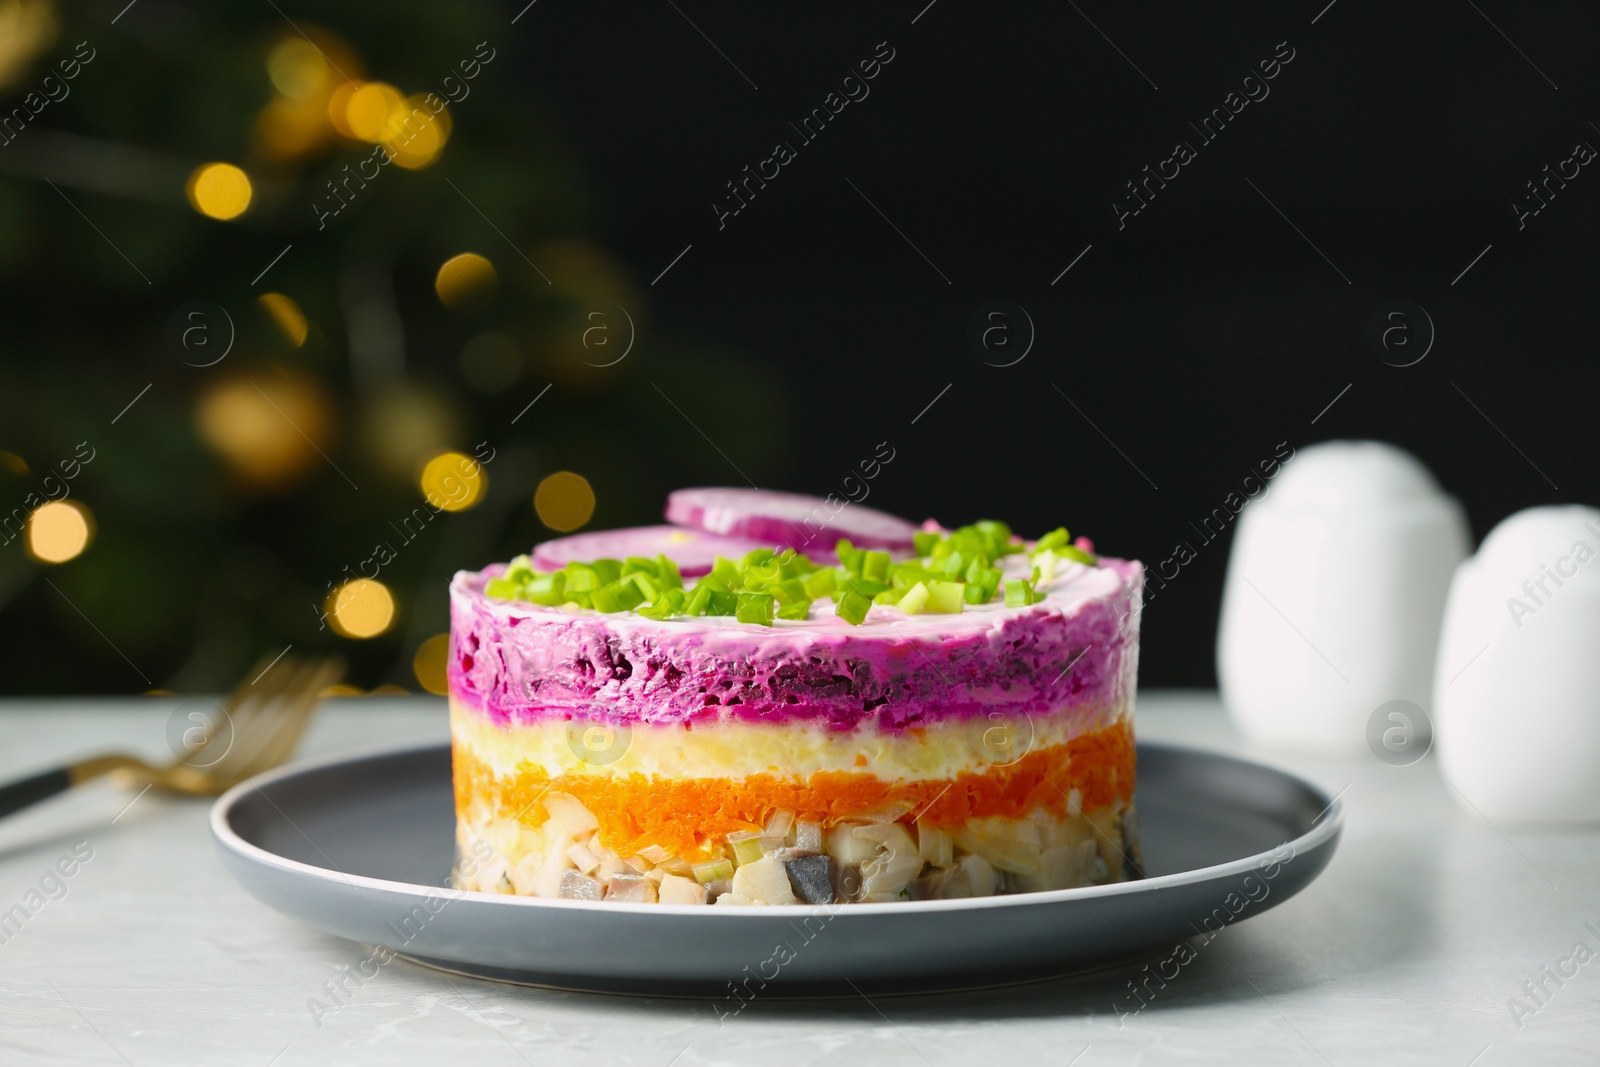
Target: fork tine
[299, 701]
[255, 706]
[229, 707]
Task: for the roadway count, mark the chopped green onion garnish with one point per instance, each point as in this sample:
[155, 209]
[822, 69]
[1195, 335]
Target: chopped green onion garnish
[671, 603]
[875, 565]
[546, 589]
[1019, 593]
[617, 596]
[864, 587]
[946, 597]
[756, 607]
[853, 607]
[820, 583]
[725, 571]
[789, 590]
[582, 579]
[800, 609]
[951, 570]
[606, 599]
[638, 565]
[793, 564]
[1053, 540]
[913, 599]
[646, 586]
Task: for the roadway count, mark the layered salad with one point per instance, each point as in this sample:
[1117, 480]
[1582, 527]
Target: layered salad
[722, 711]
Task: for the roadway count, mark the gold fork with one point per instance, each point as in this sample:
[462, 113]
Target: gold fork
[260, 723]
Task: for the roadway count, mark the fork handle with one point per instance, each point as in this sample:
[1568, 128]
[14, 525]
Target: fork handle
[28, 791]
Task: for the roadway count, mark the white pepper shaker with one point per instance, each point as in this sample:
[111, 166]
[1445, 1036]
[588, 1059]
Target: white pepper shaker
[1517, 693]
[1334, 594]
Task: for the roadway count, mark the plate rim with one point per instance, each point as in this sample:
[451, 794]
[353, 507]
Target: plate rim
[1325, 829]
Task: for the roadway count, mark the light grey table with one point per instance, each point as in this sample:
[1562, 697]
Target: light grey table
[1407, 950]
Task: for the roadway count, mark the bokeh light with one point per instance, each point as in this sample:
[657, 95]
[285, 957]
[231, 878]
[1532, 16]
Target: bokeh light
[342, 690]
[286, 315]
[219, 190]
[298, 69]
[416, 136]
[27, 27]
[429, 664]
[564, 501]
[268, 428]
[287, 128]
[367, 110]
[338, 109]
[466, 282]
[452, 481]
[404, 425]
[360, 608]
[59, 531]
[14, 463]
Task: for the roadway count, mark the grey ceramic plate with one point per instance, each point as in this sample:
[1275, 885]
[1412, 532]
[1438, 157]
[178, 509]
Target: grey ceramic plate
[361, 846]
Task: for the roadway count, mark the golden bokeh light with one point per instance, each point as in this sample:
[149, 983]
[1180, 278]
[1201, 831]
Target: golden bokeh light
[388, 690]
[286, 315]
[564, 501]
[416, 135]
[27, 28]
[341, 690]
[466, 283]
[287, 128]
[338, 109]
[219, 190]
[14, 463]
[452, 481]
[429, 664]
[402, 426]
[59, 531]
[298, 69]
[269, 428]
[368, 109]
[360, 608]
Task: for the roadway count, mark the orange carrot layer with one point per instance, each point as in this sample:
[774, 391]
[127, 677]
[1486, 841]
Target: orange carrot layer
[686, 815]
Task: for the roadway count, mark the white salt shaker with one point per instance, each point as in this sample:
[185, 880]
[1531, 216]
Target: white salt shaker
[1517, 695]
[1334, 594]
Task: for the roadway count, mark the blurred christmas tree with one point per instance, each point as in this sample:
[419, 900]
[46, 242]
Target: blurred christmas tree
[271, 286]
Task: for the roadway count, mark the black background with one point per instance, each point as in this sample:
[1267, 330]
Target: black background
[1199, 335]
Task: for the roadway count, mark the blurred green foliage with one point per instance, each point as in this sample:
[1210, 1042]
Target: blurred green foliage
[207, 555]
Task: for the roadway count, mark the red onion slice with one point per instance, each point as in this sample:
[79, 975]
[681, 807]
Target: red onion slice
[805, 523]
[692, 550]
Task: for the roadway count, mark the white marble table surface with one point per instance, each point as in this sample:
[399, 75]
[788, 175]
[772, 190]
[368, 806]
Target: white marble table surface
[1406, 950]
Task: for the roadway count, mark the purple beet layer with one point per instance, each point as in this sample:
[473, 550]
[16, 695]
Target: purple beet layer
[1078, 646]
